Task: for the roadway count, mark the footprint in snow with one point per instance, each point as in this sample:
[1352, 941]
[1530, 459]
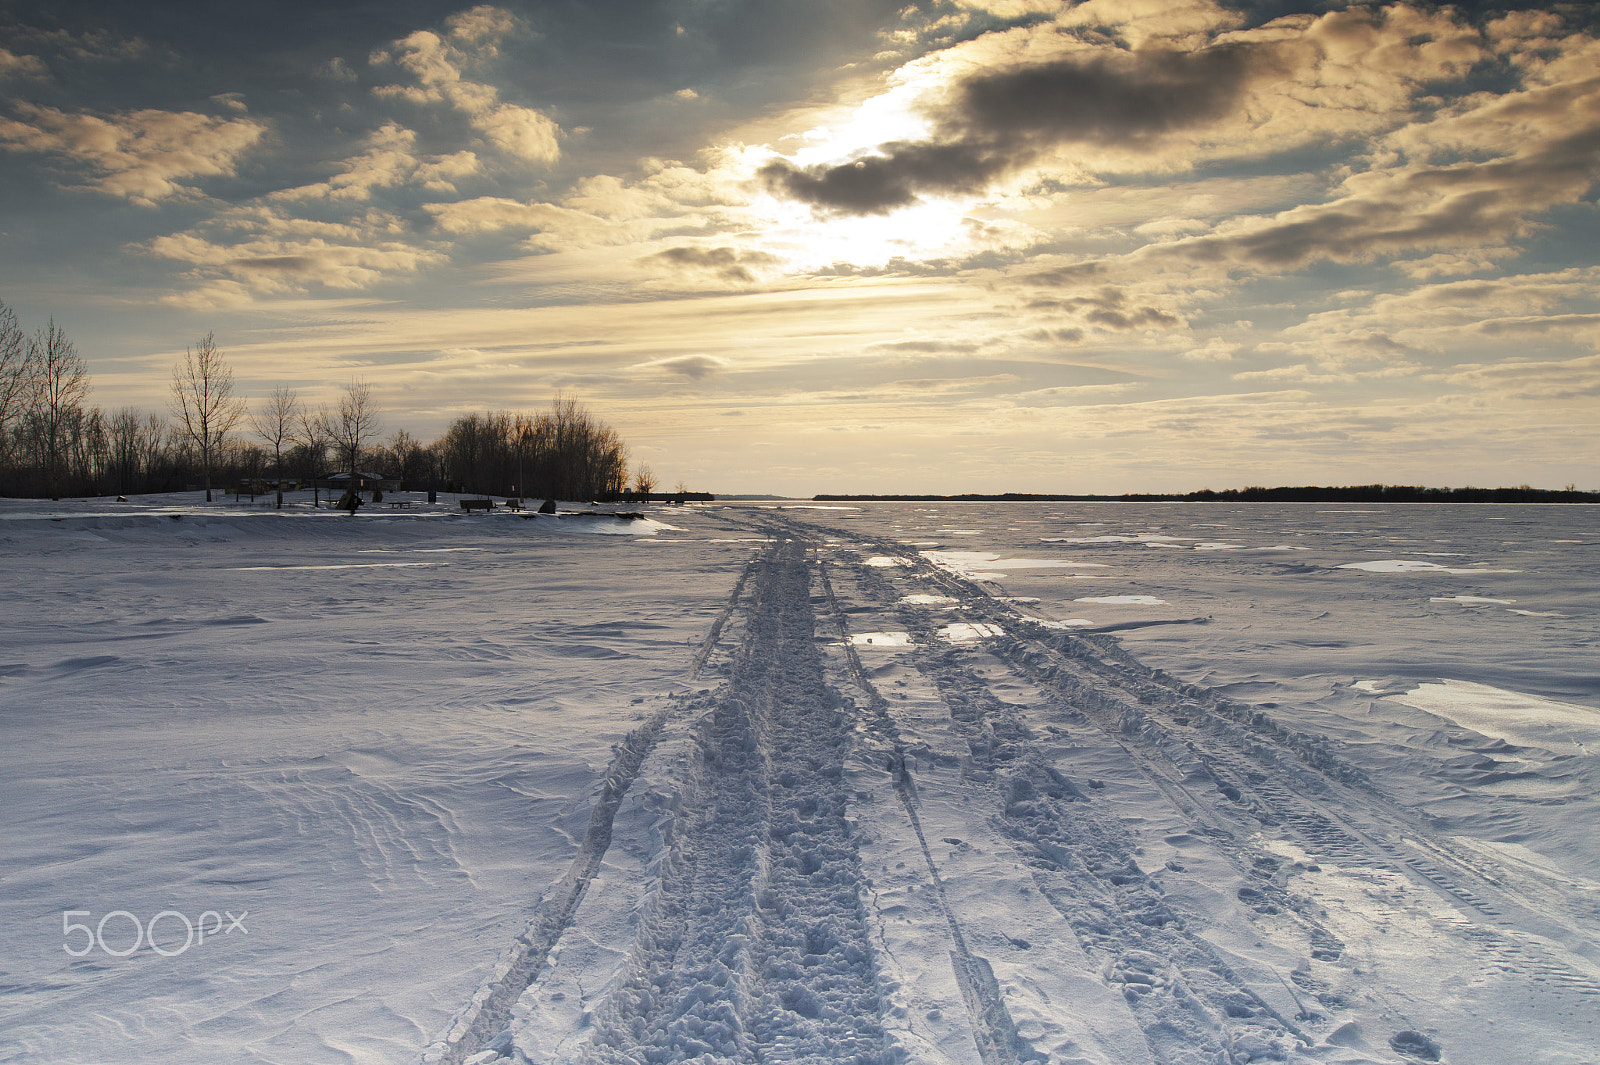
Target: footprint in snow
[1415, 1045]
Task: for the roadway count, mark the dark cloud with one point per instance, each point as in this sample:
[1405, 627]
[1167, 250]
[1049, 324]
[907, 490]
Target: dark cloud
[694, 367]
[1109, 309]
[726, 263]
[994, 123]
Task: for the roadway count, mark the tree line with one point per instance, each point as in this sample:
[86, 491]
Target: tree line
[53, 443]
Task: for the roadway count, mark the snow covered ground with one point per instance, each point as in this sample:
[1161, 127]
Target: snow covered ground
[932, 783]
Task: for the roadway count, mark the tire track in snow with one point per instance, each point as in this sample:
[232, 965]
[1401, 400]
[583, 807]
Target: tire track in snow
[1283, 779]
[1191, 1004]
[709, 644]
[1262, 774]
[993, 1029]
[489, 1012]
[754, 945]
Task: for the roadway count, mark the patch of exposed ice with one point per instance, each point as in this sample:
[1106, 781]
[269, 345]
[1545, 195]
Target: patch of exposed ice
[881, 639]
[924, 599]
[1218, 547]
[1525, 720]
[341, 565]
[1110, 539]
[1141, 600]
[1401, 565]
[985, 565]
[887, 561]
[1068, 623]
[966, 632]
[1470, 599]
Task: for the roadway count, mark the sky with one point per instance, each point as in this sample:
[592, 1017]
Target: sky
[801, 246]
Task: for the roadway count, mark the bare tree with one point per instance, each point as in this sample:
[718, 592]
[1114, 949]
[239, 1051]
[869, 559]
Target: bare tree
[202, 394]
[355, 426]
[644, 481]
[61, 382]
[277, 422]
[407, 454]
[17, 375]
[312, 438]
[153, 445]
[124, 430]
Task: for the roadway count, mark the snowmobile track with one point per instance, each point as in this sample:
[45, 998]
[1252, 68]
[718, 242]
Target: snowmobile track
[489, 1012]
[754, 945]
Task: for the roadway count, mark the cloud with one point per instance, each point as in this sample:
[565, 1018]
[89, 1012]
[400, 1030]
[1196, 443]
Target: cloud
[442, 172]
[142, 156]
[21, 66]
[436, 63]
[1130, 87]
[1213, 350]
[336, 69]
[483, 25]
[389, 161]
[521, 132]
[1533, 380]
[1109, 308]
[259, 249]
[694, 367]
[724, 263]
[488, 214]
[998, 122]
[1463, 184]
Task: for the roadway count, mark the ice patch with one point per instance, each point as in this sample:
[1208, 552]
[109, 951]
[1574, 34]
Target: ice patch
[985, 565]
[1141, 600]
[1470, 599]
[966, 632]
[924, 599]
[881, 639]
[1525, 720]
[340, 565]
[1219, 547]
[1069, 623]
[887, 561]
[1108, 539]
[1537, 613]
[1401, 565]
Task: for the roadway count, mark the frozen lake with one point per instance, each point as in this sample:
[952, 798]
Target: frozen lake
[891, 782]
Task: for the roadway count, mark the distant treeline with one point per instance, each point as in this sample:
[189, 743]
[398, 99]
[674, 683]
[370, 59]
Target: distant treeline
[53, 442]
[1363, 493]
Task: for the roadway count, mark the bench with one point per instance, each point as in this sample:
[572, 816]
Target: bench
[470, 505]
[397, 504]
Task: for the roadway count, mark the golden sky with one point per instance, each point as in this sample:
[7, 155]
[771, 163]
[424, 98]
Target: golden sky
[964, 245]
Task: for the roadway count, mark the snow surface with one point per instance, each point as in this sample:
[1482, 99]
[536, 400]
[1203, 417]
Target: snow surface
[736, 783]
